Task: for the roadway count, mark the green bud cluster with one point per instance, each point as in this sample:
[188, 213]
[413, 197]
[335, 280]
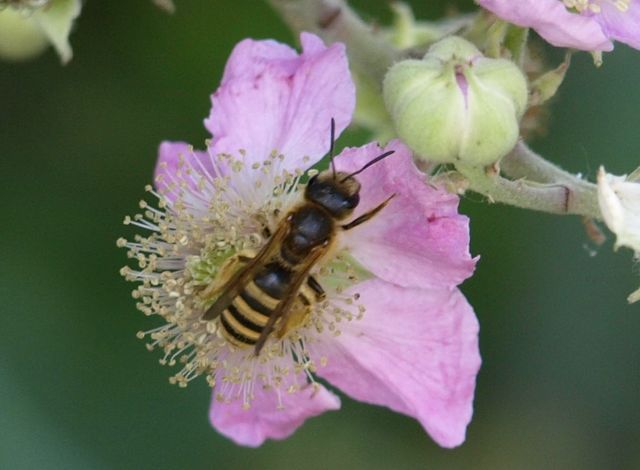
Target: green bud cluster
[456, 105]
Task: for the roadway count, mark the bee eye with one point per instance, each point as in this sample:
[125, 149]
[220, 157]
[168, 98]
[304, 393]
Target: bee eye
[352, 201]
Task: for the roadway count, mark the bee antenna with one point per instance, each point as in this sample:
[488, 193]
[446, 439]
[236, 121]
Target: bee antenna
[333, 141]
[372, 162]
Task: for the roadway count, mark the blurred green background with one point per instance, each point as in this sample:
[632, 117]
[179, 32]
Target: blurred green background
[560, 383]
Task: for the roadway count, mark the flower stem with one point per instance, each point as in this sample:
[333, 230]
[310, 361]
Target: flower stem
[536, 184]
[522, 162]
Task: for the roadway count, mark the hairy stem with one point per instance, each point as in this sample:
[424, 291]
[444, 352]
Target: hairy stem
[537, 184]
[522, 162]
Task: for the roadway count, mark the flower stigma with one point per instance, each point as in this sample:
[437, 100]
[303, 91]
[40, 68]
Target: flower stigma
[210, 211]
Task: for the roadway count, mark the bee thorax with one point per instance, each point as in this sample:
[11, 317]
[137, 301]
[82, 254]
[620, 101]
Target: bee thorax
[311, 226]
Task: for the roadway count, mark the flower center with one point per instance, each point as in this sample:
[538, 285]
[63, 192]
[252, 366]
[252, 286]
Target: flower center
[209, 213]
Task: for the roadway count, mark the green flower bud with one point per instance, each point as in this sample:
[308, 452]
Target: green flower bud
[27, 27]
[455, 104]
[20, 38]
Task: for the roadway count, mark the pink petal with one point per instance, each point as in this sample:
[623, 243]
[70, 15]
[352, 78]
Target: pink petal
[621, 26]
[168, 167]
[250, 58]
[553, 22]
[415, 351]
[263, 420]
[272, 99]
[418, 239]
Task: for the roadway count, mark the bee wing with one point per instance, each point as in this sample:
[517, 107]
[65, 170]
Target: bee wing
[283, 309]
[237, 282]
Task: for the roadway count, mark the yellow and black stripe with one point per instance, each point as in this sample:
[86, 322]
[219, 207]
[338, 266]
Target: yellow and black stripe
[244, 320]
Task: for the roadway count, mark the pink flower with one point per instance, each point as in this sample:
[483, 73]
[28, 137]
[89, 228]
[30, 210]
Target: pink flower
[590, 25]
[394, 329]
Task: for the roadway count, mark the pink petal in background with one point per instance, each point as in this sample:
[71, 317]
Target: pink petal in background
[623, 26]
[553, 22]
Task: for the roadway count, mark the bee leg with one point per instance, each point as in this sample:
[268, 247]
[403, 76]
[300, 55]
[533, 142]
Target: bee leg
[228, 268]
[316, 287]
[299, 312]
[264, 335]
[367, 215]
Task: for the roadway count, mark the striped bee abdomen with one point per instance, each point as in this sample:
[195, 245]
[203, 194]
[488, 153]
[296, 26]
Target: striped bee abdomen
[244, 320]
[273, 280]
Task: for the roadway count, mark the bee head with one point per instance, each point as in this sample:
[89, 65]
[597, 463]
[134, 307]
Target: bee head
[338, 193]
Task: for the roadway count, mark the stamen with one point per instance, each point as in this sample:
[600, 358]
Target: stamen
[208, 211]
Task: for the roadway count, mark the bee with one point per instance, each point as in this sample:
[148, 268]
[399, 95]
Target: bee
[272, 290]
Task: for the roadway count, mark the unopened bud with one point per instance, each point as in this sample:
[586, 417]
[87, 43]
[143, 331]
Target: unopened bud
[27, 27]
[20, 38]
[455, 104]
